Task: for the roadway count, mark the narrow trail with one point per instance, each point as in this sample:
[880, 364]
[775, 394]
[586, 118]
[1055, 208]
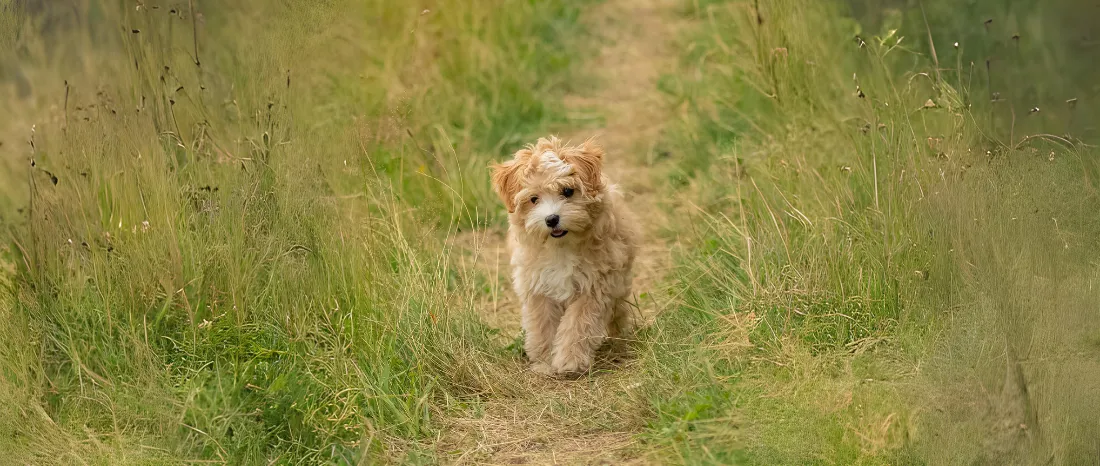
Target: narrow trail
[536, 420]
[639, 37]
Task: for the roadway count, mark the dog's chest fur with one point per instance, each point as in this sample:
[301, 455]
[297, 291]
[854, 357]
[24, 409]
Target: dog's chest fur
[550, 272]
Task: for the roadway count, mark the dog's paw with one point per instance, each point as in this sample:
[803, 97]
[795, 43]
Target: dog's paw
[571, 365]
[542, 368]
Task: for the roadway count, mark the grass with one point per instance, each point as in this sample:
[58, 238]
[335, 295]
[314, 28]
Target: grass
[241, 238]
[883, 246]
[240, 255]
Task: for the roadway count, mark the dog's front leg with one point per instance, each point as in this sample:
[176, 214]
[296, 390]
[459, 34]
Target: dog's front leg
[540, 320]
[582, 330]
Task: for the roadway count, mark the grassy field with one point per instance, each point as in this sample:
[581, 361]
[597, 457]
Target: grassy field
[893, 268]
[262, 232]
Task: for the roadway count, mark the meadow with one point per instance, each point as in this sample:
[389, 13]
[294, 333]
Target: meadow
[260, 232]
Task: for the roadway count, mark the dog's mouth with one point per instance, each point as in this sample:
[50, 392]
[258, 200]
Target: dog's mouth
[558, 232]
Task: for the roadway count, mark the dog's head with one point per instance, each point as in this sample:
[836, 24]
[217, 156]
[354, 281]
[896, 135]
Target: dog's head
[552, 190]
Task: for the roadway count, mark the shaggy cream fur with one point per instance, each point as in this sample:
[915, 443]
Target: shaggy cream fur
[573, 243]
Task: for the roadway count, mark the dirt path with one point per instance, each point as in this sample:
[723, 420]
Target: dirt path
[536, 420]
[639, 37]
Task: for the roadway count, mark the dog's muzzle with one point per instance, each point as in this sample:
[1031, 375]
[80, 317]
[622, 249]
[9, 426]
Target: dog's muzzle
[552, 221]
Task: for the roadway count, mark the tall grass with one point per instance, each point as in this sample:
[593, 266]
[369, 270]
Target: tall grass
[228, 221]
[895, 254]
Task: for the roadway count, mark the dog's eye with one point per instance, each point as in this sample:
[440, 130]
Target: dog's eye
[534, 199]
[567, 192]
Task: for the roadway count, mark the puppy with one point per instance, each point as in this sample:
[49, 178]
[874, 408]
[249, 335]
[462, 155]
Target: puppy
[573, 244]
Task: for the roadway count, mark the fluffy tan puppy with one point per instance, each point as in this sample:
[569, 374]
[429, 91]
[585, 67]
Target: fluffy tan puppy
[573, 243]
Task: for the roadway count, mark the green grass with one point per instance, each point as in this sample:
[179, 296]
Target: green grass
[867, 267]
[251, 259]
[243, 259]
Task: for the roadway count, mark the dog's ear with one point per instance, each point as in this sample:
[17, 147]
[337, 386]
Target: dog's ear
[587, 163]
[506, 178]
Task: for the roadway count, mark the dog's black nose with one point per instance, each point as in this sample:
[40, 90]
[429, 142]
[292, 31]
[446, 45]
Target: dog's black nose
[552, 220]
